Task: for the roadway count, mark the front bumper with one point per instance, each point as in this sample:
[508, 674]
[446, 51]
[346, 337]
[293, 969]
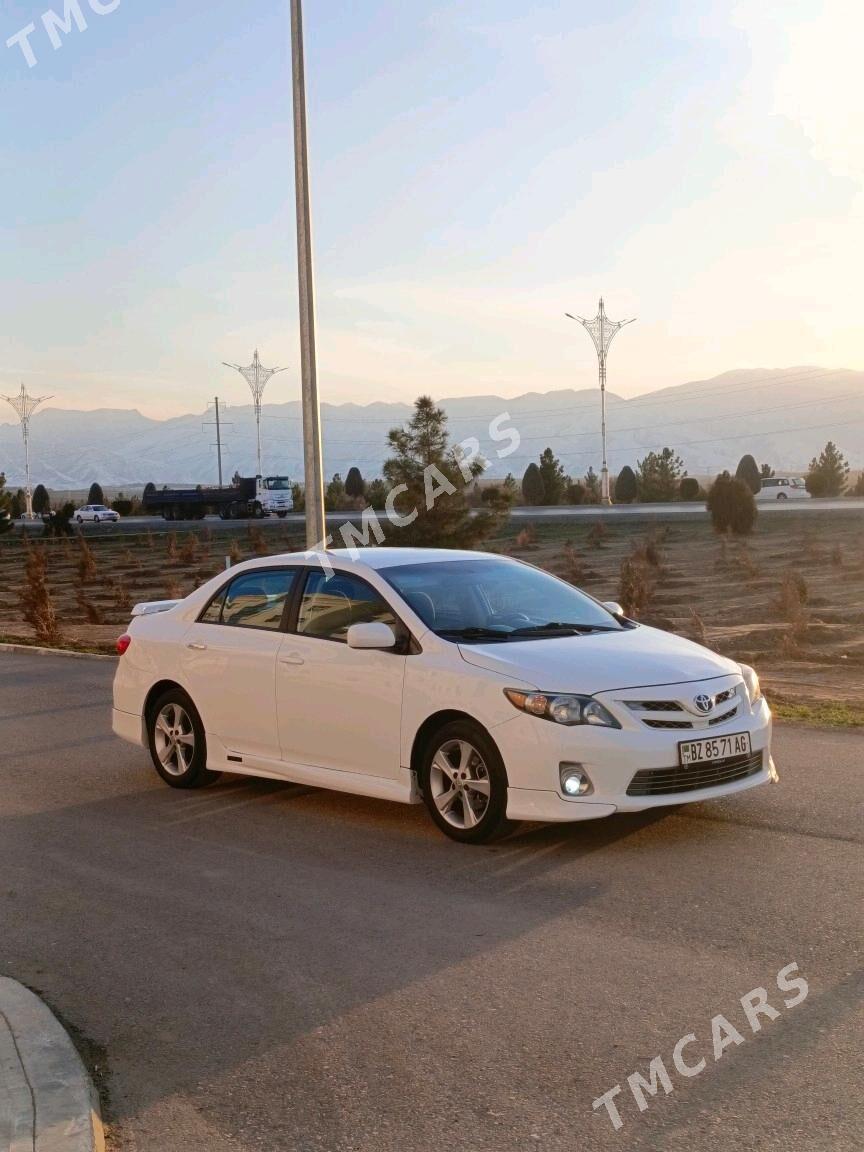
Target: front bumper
[534, 749]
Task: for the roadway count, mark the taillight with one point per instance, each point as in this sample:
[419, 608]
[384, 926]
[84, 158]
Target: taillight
[123, 643]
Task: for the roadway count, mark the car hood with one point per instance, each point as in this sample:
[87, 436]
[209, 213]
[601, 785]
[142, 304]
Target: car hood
[600, 661]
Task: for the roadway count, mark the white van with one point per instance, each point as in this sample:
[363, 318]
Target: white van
[783, 488]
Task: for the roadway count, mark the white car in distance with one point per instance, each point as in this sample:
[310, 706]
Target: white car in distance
[478, 684]
[96, 514]
[783, 488]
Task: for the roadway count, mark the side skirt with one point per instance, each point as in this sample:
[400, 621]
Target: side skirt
[402, 790]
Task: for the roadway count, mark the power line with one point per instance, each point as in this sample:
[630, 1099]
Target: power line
[675, 398]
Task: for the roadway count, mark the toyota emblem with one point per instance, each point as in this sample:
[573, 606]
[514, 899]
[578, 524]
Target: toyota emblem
[703, 703]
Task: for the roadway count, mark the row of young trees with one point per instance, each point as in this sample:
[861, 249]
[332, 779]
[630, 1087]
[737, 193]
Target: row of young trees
[661, 477]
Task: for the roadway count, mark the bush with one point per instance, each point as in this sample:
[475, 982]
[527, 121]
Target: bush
[376, 494]
[575, 493]
[732, 506]
[122, 506]
[689, 488]
[36, 602]
[636, 585]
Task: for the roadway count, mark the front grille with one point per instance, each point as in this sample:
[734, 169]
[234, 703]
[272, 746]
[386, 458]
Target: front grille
[667, 723]
[654, 705]
[694, 777]
[726, 716]
[722, 697]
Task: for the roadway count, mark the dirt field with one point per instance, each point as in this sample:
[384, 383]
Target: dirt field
[790, 600]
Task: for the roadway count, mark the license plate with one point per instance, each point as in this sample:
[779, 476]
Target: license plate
[717, 748]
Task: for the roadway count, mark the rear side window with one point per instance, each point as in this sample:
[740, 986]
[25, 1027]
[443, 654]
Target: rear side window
[253, 600]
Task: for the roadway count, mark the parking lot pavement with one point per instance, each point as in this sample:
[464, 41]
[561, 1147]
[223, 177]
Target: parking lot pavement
[263, 966]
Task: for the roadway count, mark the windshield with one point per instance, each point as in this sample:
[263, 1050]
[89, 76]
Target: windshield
[485, 600]
[277, 484]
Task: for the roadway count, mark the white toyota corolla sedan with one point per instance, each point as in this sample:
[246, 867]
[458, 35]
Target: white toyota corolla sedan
[478, 684]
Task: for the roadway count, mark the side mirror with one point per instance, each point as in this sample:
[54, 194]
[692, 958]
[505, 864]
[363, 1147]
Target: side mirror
[614, 607]
[376, 635]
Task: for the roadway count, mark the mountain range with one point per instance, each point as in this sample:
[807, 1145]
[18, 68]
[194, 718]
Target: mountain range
[783, 417]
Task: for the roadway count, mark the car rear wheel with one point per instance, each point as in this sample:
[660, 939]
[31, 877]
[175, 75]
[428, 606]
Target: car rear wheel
[80, 519]
[782, 496]
[178, 746]
[464, 783]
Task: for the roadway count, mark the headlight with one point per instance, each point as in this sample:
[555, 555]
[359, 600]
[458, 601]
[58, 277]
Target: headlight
[562, 709]
[751, 683]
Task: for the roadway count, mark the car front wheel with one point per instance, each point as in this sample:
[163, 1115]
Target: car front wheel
[178, 746]
[464, 783]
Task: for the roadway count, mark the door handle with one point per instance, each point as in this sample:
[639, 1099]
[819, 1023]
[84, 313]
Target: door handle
[292, 658]
[197, 647]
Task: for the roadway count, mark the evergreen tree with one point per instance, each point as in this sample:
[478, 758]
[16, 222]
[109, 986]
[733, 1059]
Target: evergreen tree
[41, 500]
[355, 485]
[376, 493]
[748, 471]
[334, 496]
[95, 495]
[829, 472]
[5, 507]
[626, 487]
[591, 484]
[659, 474]
[434, 479]
[552, 475]
[766, 472]
[533, 492]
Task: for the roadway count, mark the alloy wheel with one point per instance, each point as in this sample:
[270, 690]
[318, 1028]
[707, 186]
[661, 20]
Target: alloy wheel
[459, 784]
[174, 737]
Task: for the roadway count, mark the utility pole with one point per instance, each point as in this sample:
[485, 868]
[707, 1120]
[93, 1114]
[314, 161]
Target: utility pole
[316, 529]
[602, 331]
[25, 405]
[219, 426]
[257, 377]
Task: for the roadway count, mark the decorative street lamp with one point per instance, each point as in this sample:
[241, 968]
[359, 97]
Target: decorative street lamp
[602, 331]
[257, 377]
[25, 405]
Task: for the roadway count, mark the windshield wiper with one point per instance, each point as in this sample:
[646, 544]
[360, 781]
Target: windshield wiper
[561, 628]
[475, 633]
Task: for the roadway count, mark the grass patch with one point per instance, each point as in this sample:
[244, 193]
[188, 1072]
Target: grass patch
[825, 713]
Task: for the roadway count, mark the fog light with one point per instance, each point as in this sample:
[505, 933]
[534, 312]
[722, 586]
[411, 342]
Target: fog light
[575, 780]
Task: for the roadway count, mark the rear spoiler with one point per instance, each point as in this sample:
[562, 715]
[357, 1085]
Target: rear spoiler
[154, 606]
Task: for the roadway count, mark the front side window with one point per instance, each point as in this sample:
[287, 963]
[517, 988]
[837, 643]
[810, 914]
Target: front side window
[253, 600]
[331, 604]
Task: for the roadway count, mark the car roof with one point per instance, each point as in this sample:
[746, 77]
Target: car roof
[378, 558]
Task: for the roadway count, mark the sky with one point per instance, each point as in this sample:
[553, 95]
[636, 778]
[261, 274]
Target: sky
[478, 169]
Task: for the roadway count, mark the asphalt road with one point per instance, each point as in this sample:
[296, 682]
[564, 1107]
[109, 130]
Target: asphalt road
[693, 511]
[272, 967]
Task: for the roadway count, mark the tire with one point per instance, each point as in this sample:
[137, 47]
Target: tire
[182, 763]
[95, 519]
[782, 496]
[80, 519]
[281, 515]
[469, 814]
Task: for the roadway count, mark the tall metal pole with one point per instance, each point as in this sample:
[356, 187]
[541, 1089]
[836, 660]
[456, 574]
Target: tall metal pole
[602, 331]
[25, 405]
[257, 377]
[316, 530]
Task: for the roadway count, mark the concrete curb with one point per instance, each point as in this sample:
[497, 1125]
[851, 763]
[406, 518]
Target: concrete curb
[47, 1099]
[68, 652]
